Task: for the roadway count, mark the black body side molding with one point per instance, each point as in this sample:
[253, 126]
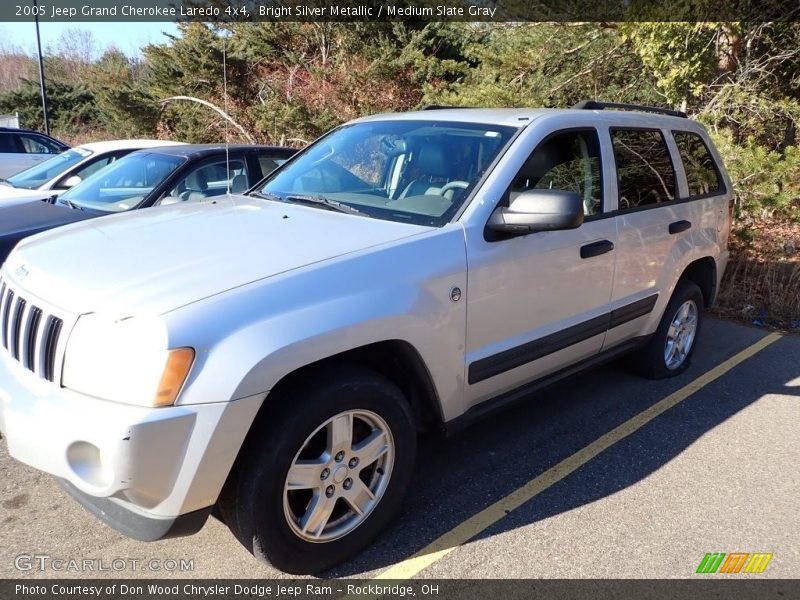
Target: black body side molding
[515, 357]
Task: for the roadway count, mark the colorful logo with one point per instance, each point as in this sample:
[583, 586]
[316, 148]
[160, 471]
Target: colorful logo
[735, 562]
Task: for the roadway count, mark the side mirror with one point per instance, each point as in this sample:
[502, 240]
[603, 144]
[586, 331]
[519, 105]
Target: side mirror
[167, 200]
[538, 210]
[72, 181]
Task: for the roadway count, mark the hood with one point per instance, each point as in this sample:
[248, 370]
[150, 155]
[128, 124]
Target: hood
[158, 259]
[11, 195]
[19, 221]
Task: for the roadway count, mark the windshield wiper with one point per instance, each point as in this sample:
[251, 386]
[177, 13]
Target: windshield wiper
[326, 202]
[266, 196]
[6, 182]
[70, 203]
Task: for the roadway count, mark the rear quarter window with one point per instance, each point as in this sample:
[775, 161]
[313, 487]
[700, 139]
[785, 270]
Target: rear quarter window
[702, 173]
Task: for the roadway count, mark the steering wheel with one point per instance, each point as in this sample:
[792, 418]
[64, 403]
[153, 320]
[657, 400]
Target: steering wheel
[453, 185]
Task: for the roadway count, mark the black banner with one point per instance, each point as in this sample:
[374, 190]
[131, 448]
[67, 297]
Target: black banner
[705, 587]
[240, 11]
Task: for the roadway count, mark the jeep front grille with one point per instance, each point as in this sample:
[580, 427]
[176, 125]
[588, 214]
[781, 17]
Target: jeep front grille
[28, 334]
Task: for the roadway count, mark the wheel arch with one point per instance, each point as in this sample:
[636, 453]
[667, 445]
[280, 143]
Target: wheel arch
[396, 359]
[703, 272]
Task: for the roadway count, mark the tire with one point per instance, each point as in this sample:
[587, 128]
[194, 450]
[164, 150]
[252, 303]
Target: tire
[269, 519]
[652, 360]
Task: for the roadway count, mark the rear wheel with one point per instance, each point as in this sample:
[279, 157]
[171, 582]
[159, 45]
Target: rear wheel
[670, 350]
[321, 480]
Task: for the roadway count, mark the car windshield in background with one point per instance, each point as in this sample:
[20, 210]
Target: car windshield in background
[43, 172]
[409, 171]
[124, 184]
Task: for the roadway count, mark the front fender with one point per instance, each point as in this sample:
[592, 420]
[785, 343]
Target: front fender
[249, 339]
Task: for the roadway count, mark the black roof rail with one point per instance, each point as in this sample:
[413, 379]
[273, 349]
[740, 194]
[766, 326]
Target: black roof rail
[596, 105]
[440, 107]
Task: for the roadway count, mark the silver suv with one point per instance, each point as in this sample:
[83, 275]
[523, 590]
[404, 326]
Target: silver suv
[274, 354]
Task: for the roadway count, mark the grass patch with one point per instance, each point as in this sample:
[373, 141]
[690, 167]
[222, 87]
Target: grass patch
[762, 282]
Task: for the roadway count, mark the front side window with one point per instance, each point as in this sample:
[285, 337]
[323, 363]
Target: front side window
[43, 172]
[35, 144]
[125, 183]
[645, 174]
[211, 179]
[702, 175]
[569, 161]
[408, 171]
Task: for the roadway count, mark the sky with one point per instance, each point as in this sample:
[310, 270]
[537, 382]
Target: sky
[127, 37]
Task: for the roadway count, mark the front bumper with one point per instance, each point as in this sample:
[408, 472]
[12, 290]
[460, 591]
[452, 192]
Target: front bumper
[138, 469]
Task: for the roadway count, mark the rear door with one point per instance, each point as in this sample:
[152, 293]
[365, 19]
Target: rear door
[654, 226]
[12, 155]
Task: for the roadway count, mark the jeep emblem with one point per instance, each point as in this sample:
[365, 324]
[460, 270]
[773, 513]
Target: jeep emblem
[21, 272]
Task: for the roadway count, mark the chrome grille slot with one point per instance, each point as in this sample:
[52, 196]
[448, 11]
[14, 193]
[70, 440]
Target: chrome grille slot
[50, 344]
[32, 338]
[28, 333]
[7, 302]
[16, 327]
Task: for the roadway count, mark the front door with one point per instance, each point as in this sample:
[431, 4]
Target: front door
[539, 302]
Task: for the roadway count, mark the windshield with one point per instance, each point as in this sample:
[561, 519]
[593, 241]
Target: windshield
[409, 171]
[43, 172]
[124, 184]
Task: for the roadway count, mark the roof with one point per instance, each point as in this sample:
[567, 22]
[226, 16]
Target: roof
[111, 145]
[520, 117]
[514, 117]
[21, 130]
[195, 150]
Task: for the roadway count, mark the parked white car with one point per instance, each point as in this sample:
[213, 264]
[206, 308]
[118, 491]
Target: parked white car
[276, 353]
[20, 149]
[66, 170]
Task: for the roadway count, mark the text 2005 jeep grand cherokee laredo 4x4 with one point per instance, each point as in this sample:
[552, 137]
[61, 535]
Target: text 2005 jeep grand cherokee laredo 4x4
[275, 353]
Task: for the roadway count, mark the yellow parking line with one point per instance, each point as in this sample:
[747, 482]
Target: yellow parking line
[473, 526]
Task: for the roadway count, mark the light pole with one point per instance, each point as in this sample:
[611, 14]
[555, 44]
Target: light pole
[41, 68]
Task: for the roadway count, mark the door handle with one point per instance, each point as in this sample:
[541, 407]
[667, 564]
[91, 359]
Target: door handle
[596, 248]
[679, 226]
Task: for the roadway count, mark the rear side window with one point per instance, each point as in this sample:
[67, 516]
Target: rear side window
[702, 175]
[269, 163]
[645, 174]
[9, 143]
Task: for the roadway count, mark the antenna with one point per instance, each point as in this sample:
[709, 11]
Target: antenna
[225, 100]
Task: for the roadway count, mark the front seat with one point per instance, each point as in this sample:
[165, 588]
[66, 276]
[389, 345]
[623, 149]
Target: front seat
[431, 165]
[196, 186]
[239, 184]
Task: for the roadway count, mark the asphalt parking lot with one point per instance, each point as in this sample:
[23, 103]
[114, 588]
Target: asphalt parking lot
[604, 476]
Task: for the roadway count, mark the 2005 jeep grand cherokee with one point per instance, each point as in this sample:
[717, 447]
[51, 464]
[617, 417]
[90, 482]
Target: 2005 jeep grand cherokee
[274, 354]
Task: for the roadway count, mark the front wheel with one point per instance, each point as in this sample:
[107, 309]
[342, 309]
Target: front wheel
[670, 350]
[321, 480]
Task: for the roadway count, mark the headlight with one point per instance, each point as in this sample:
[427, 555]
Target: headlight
[125, 361]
